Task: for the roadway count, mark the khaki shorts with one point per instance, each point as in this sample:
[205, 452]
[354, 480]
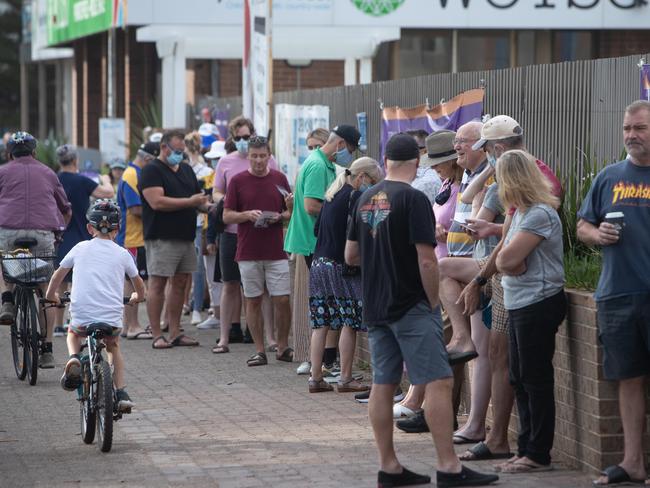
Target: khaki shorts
[45, 238]
[168, 258]
[275, 274]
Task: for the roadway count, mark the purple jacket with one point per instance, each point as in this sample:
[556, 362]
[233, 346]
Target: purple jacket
[31, 196]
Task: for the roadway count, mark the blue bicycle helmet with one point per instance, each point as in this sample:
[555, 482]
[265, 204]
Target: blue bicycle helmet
[104, 215]
[21, 143]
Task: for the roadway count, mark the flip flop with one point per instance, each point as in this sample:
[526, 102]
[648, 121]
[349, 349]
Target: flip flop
[522, 467]
[143, 334]
[286, 356]
[461, 439]
[617, 476]
[220, 349]
[184, 341]
[461, 357]
[159, 339]
[481, 452]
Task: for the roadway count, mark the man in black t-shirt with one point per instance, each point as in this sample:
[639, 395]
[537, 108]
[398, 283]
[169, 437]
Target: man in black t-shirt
[172, 196]
[392, 238]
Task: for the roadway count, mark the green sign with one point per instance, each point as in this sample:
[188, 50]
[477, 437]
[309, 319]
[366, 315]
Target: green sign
[377, 8]
[72, 19]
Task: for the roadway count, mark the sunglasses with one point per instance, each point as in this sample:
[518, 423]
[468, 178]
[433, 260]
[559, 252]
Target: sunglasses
[443, 196]
[315, 146]
[239, 138]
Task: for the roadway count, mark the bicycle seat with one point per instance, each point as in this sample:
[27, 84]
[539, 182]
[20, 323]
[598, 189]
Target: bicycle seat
[25, 242]
[100, 328]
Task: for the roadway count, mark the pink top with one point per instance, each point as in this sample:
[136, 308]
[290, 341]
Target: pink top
[31, 196]
[230, 165]
[445, 214]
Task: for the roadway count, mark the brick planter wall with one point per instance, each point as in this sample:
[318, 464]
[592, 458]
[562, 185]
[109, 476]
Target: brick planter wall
[588, 433]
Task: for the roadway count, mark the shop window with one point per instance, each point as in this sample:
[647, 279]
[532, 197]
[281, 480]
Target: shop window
[483, 49]
[572, 45]
[424, 52]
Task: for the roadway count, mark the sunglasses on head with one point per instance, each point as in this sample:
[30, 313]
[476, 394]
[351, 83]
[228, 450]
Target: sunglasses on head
[239, 138]
[443, 196]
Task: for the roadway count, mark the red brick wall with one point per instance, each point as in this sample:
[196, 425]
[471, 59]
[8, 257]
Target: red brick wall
[319, 74]
[616, 43]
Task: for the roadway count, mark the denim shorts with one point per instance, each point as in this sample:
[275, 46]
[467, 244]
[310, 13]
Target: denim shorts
[416, 339]
[624, 332]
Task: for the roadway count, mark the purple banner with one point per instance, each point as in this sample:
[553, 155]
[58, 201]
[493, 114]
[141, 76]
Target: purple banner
[645, 82]
[450, 115]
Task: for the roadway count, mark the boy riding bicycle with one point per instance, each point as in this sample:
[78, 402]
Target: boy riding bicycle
[97, 287]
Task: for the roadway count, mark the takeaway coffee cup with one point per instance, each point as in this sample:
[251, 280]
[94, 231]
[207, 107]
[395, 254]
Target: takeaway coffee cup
[617, 219]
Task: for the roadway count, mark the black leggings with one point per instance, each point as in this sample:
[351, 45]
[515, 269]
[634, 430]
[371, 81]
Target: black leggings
[532, 346]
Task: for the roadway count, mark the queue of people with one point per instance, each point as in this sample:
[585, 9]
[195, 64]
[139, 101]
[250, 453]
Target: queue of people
[450, 251]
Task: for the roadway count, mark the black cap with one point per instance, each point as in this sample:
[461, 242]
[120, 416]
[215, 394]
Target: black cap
[348, 133]
[402, 147]
[151, 148]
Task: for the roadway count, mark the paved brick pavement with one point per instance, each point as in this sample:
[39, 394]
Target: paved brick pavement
[203, 420]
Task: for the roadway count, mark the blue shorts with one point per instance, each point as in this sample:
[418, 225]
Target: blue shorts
[417, 340]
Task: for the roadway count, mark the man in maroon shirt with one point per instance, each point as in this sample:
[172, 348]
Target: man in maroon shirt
[33, 205]
[259, 200]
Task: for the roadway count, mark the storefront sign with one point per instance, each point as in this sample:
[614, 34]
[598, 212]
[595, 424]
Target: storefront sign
[292, 124]
[72, 19]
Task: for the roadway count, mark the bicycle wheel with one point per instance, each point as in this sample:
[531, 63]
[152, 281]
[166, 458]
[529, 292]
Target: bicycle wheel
[32, 330]
[104, 406]
[87, 412]
[18, 349]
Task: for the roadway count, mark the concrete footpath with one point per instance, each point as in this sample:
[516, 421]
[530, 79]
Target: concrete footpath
[204, 420]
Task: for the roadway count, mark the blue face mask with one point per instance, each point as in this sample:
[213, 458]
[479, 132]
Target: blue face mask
[343, 157]
[242, 146]
[492, 160]
[175, 158]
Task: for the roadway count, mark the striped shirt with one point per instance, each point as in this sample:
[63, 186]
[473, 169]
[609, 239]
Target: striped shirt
[459, 243]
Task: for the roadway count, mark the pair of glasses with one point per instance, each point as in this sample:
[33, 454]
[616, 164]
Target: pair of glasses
[315, 146]
[257, 140]
[443, 196]
[462, 142]
[239, 138]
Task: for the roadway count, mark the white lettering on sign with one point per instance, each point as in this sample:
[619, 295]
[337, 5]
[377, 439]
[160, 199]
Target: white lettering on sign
[87, 9]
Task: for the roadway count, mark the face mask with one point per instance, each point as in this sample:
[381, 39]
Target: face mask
[364, 187]
[242, 146]
[492, 160]
[343, 157]
[175, 158]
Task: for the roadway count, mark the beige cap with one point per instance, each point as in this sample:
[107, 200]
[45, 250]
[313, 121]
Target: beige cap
[440, 148]
[499, 127]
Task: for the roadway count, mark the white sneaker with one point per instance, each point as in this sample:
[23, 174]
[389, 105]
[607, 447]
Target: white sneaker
[196, 317]
[304, 368]
[209, 323]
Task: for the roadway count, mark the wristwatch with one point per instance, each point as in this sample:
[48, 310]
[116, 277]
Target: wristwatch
[481, 280]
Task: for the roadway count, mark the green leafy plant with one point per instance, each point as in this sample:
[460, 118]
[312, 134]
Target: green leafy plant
[581, 263]
[46, 150]
[144, 115]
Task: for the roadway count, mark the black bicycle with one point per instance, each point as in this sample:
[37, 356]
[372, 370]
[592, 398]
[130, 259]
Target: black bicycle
[27, 272]
[98, 405]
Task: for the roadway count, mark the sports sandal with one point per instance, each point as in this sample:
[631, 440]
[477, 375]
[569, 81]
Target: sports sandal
[286, 356]
[257, 359]
[160, 342]
[351, 385]
[617, 476]
[220, 349]
[319, 386]
[143, 334]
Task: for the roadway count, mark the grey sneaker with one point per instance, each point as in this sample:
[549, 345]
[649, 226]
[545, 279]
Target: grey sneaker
[124, 402]
[71, 378]
[7, 312]
[209, 323]
[304, 368]
[46, 360]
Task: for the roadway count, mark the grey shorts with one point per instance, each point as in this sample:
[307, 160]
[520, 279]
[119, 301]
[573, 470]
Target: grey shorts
[45, 238]
[169, 258]
[415, 339]
[227, 251]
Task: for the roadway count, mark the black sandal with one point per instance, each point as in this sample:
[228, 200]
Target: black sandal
[257, 359]
[286, 356]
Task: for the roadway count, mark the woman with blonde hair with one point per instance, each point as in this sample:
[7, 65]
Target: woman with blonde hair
[531, 261]
[334, 287]
[317, 138]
